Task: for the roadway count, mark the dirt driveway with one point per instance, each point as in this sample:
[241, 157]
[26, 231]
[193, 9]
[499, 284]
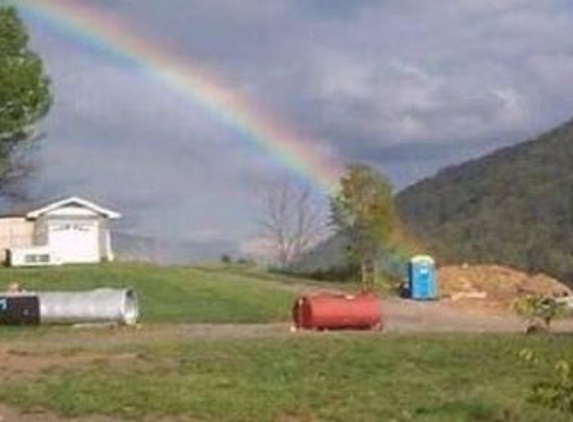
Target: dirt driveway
[400, 316]
[407, 316]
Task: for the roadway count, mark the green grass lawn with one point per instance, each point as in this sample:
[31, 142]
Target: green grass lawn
[172, 294]
[319, 377]
[329, 377]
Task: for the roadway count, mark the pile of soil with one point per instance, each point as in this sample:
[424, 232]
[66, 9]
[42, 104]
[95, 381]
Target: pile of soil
[493, 288]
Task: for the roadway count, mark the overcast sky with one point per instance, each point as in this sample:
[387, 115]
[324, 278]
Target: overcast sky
[408, 86]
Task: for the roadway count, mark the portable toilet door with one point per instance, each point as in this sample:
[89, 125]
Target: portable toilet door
[422, 276]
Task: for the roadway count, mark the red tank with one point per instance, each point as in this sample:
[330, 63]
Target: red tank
[325, 311]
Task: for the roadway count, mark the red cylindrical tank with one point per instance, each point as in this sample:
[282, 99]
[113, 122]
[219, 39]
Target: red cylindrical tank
[325, 311]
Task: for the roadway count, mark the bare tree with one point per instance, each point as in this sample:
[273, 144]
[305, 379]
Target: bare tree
[293, 219]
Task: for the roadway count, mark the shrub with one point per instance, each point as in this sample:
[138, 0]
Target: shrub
[539, 311]
[557, 392]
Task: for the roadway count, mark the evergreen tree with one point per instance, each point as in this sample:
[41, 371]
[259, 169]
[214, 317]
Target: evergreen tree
[24, 96]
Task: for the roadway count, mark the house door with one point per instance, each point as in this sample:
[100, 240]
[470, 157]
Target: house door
[74, 241]
[423, 282]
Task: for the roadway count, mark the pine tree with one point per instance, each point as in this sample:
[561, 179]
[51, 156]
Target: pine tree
[25, 96]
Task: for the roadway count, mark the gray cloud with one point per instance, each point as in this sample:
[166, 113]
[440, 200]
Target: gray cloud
[406, 85]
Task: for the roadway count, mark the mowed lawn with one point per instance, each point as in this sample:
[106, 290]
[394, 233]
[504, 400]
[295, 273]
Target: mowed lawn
[320, 377]
[173, 294]
[141, 375]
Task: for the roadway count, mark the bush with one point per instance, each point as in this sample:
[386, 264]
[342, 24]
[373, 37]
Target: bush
[539, 311]
[557, 392]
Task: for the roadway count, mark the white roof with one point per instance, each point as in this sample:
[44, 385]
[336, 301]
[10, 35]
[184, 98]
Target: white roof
[422, 258]
[74, 200]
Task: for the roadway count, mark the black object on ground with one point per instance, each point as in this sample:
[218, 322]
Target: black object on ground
[19, 310]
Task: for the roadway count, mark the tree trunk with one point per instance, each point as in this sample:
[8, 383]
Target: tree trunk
[367, 275]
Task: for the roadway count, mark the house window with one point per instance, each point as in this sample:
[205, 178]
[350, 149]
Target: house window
[62, 227]
[68, 226]
[37, 258]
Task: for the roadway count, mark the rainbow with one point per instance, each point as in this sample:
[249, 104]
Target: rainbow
[109, 33]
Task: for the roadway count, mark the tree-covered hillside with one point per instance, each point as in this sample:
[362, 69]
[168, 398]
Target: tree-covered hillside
[512, 207]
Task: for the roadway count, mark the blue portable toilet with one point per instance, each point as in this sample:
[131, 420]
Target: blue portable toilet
[422, 279]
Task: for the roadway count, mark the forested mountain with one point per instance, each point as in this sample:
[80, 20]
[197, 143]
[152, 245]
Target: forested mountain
[512, 207]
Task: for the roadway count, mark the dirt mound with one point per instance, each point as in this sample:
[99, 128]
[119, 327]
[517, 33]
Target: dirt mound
[492, 287]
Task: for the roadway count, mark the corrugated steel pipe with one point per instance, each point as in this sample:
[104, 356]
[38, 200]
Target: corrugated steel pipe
[96, 306]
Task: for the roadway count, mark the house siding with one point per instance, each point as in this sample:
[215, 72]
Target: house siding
[40, 232]
[15, 232]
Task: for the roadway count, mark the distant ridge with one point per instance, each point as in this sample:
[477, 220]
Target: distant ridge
[512, 207]
[130, 247]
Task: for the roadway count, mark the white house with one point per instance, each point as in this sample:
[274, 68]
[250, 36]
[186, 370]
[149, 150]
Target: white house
[72, 230]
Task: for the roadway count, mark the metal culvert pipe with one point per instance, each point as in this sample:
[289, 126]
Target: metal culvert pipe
[118, 306]
[101, 305]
